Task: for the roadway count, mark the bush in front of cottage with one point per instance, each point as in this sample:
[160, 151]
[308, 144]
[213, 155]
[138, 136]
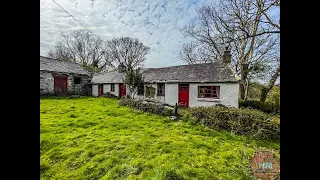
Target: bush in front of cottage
[248, 122]
[153, 107]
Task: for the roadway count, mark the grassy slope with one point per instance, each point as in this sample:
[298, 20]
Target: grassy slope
[93, 138]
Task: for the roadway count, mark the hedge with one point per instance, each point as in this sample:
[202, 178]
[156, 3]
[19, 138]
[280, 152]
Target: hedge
[248, 122]
[148, 106]
[109, 95]
[267, 107]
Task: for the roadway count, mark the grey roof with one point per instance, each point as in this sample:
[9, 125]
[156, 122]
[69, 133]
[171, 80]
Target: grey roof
[53, 65]
[108, 77]
[208, 72]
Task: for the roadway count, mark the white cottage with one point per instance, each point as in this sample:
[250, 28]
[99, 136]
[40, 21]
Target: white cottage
[111, 82]
[188, 85]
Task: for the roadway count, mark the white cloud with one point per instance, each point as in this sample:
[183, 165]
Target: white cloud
[156, 23]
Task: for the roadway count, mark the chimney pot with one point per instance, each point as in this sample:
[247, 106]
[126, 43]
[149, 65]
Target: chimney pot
[226, 58]
[121, 68]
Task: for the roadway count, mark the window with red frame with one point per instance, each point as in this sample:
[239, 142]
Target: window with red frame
[209, 92]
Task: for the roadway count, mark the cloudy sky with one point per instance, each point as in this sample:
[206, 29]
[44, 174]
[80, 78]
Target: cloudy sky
[156, 23]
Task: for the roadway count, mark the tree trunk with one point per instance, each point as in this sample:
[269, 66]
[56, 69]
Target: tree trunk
[264, 93]
[242, 90]
[266, 90]
[243, 81]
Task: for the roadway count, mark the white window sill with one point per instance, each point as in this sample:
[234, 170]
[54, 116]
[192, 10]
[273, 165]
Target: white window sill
[209, 100]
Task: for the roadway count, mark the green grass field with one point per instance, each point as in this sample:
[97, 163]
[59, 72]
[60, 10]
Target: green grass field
[93, 138]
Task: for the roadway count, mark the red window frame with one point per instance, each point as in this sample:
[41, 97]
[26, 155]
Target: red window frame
[112, 87]
[160, 89]
[214, 92]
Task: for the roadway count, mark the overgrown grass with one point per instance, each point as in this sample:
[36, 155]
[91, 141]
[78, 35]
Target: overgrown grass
[94, 138]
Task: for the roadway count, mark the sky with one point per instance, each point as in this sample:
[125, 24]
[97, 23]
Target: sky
[156, 23]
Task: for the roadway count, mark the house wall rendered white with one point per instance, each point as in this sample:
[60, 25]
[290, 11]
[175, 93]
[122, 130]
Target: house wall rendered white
[229, 95]
[95, 90]
[106, 88]
[171, 94]
[116, 90]
[155, 86]
[170, 97]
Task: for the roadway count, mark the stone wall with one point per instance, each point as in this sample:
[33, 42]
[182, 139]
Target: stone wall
[47, 83]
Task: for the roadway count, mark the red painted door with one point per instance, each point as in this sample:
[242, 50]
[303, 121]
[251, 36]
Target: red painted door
[122, 90]
[183, 95]
[100, 90]
[60, 85]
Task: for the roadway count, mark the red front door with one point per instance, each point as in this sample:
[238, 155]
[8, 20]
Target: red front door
[183, 95]
[100, 89]
[60, 85]
[122, 90]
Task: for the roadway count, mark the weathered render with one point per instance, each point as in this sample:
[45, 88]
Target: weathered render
[51, 68]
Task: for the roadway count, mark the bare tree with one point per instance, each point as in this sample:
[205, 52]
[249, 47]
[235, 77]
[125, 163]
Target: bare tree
[245, 25]
[128, 51]
[266, 89]
[61, 52]
[82, 47]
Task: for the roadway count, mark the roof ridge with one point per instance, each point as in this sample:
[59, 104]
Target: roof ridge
[49, 58]
[216, 62]
[51, 63]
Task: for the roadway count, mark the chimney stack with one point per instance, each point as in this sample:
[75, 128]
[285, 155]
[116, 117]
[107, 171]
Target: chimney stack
[121, 68]
[226, 58]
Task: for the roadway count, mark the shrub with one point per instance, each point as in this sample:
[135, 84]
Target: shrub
[252, 123]
[109, 95]
[267, 107]
[147, 106]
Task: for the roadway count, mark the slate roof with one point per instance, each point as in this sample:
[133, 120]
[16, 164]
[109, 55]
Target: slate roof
[208, 72]
[108, 77]
[53, 65]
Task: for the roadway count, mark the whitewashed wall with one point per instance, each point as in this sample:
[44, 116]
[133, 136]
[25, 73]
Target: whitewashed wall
[159, 98]
[107, 88]
[95, 90]
[116, 90]
[229, 95]
[171, 94]
[170, 97]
